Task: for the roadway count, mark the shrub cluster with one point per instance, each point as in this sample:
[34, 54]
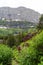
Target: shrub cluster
[5, 55]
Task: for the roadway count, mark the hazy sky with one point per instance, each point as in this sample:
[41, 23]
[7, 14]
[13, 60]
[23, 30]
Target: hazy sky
[32, 4]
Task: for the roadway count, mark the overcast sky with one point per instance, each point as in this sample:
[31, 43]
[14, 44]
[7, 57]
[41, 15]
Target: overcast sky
[36, 5]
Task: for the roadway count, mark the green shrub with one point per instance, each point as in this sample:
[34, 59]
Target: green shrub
[5, 55]
[40, 25]
[31, 58]
[11, 40]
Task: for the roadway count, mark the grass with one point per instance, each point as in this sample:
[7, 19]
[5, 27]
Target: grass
[14, 62]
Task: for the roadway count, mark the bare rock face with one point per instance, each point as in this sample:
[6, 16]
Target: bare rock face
[20, 13]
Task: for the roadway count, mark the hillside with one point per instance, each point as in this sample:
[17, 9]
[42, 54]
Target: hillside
[28, 50]
[19, 14]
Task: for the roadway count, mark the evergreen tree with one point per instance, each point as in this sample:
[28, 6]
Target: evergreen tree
[40, 25]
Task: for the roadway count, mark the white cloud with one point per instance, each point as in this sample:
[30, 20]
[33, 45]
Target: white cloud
[33, 4]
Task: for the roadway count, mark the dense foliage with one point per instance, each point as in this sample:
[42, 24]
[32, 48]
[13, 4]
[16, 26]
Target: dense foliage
[11, 40]
[35, 51]
[40, 25]
[5, 55]
[32, 54]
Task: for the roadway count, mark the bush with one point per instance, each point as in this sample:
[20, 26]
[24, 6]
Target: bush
[32, 58]
[11, 40]
[5, 55]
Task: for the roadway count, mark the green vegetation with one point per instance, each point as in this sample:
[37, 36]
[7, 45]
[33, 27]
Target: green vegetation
[5, 55]
[10, 41]
[5, 32]
[30, 55]
[40, 25]
[13, 51]
[31, 52]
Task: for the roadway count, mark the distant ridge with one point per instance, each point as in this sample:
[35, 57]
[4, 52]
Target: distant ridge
[19, 14]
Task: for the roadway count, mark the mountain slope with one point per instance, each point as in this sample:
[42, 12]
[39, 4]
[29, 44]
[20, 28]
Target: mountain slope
[20, 13]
